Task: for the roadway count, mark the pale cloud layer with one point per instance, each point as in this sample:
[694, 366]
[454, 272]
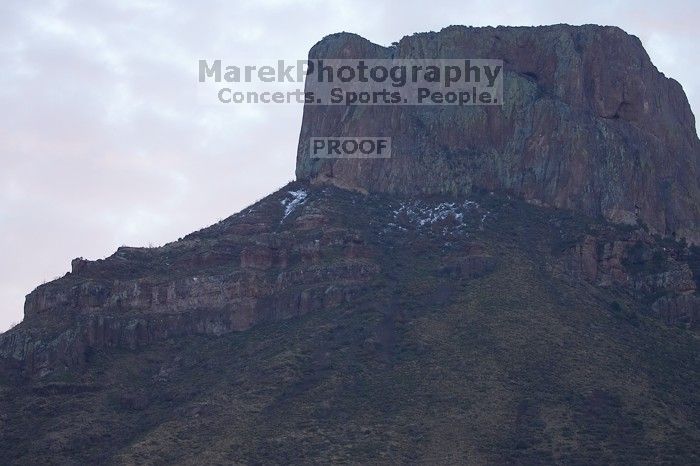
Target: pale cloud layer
[103, 141]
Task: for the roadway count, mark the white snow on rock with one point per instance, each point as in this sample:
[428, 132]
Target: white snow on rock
[452, 215]
[290, 204]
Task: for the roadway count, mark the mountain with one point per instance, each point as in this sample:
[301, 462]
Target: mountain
[517, 284]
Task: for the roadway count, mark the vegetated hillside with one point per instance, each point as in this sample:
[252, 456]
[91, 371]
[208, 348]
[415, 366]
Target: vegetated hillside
[482, 336]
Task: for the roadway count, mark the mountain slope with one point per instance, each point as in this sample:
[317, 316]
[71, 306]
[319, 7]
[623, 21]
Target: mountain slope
[473, 342]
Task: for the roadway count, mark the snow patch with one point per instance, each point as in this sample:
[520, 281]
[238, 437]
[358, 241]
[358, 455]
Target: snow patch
[290, 204]
[452, 216]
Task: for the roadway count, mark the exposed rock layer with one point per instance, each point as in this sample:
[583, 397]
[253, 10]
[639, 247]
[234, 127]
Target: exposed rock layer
[258, 266]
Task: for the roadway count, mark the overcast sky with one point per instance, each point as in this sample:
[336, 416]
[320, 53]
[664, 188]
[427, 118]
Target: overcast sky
[103, 141]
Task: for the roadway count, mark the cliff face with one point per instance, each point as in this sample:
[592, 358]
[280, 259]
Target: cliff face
[588, 123]
[267, 263]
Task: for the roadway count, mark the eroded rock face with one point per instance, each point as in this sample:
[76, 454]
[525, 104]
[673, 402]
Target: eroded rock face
[588, 123]
[658, 274]
[264, 264]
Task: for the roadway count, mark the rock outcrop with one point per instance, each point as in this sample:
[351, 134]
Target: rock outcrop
[263, 264]
[588, 123]
[658, 273]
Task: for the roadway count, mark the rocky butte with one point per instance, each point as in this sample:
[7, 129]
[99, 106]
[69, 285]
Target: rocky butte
[588, 124]
[516, 284]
